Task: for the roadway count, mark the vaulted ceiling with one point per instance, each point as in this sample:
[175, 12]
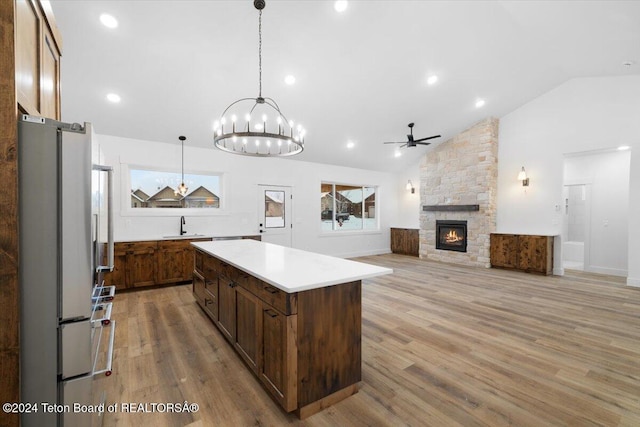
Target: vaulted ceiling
[360, 75]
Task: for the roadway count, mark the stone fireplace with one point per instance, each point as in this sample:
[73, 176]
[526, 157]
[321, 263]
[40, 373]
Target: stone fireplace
[451, 235]
[458, 183]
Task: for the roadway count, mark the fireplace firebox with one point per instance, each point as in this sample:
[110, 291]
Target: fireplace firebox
[451, 235]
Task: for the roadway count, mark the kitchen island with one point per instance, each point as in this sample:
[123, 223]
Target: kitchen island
[293, 316]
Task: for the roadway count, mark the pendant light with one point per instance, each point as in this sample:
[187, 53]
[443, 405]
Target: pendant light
[248, 126]
[182, 188]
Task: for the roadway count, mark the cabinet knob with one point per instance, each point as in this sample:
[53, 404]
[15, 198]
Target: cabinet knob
[271, 313]
[271, 290]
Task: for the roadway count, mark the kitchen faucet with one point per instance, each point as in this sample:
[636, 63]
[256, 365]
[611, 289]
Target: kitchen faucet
[182, 230]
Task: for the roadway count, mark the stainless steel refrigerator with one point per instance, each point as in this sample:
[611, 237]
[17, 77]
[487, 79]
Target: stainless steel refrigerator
[65, 246]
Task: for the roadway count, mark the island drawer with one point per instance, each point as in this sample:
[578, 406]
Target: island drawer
[199, 262]
[214, 267]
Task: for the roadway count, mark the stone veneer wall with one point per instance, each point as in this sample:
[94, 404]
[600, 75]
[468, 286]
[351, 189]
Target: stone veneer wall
[462, 171]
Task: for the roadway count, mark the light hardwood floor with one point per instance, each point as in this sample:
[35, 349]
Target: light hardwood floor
[443, 345]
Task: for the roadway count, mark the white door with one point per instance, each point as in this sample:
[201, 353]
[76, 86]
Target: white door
[274, 214]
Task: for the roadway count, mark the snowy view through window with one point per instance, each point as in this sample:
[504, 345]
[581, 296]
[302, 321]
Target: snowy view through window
[347, 207]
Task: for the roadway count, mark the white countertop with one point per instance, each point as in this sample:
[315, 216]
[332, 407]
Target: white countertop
[185, 237]
[291, 270]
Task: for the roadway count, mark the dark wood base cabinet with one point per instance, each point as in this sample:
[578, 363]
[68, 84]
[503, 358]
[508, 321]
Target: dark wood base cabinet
[405, 241]
[304, 347]
[149, 263]
[532, 254]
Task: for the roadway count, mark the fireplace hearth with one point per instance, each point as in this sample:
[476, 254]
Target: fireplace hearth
[451, 235]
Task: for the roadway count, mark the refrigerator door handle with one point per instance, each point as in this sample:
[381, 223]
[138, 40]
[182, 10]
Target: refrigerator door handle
[110, 254]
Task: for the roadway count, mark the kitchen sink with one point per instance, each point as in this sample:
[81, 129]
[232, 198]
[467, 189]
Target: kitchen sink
[184, 236]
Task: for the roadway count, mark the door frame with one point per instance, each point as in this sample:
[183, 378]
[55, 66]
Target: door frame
[288, 218]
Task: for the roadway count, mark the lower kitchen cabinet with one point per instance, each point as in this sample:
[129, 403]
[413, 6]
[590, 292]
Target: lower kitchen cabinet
[290, 352]
[248, 337]
[529, 253]
[149, 263]
[174, 261]
[141, 264]
[227, 308]
[279, 356]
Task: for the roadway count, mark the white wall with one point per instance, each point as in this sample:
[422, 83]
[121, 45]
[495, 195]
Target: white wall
[241, 177]
[580, 115]
[408, 215]
[607, 174]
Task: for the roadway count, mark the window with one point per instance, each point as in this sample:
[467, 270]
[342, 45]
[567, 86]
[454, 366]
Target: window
[157, 189]
[347, 207]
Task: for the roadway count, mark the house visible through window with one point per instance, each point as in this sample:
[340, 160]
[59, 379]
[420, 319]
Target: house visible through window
[347, 207]
[158, 189]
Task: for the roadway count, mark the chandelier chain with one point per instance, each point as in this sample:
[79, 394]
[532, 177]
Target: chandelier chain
[260, 53]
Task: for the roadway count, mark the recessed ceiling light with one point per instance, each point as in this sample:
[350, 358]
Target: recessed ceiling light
[350, 145]
[628, 63]
[290, 79]
[479, 103]
[432, 80]
[108, 20]
[113, 97]
[397, 153]
[623, 148]
[340, 5]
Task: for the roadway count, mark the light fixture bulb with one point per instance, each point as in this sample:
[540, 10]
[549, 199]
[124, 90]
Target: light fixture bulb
[113, 97]
[480, 103]
[108, 20]
[522, 175]
[432, 80]
[340, 5]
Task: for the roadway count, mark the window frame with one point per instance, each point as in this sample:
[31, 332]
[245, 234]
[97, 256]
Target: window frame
[125, 186]
[340, 231]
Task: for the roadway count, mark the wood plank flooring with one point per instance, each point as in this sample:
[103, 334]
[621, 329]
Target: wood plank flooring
[442, 345]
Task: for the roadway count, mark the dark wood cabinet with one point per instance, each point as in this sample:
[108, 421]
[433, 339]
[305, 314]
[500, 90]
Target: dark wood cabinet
[174, 261]
[227, 307]
[405, 241]
[504, 250]
[141, 264]
[134, 265]
[248, 340]
[38, 49]
[306, 361]
[148, 263]
[529, 253]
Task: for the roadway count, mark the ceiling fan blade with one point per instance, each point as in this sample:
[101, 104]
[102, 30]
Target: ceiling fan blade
[399, 142]
[404, 145]
[429, 137]
[421, 143]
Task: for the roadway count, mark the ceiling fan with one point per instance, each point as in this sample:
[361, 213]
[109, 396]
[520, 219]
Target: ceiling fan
[410, 142]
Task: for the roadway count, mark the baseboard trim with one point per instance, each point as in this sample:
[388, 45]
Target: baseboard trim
[632, 281]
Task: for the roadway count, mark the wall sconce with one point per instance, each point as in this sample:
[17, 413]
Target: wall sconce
[522, 176]
[410, 187]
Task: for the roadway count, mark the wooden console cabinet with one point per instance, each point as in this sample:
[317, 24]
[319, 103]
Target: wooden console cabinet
[405, 241]
[304, 347]
[533, 254]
